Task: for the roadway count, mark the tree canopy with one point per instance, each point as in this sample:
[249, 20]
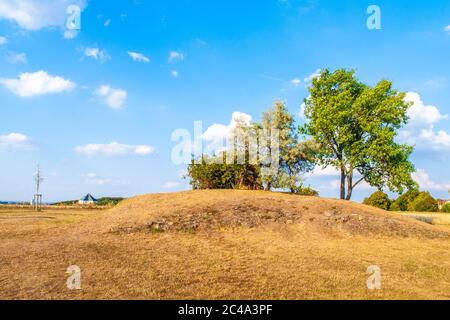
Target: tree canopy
[354, 126]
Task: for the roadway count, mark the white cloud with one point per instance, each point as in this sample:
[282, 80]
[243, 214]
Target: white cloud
[17, 58]
[171, 184]
[426, 183]
[107, 23]
[3, 40]
[315, 74]
[114, 149]
[37, 14]
[447, 29]
[15, 141]
[114, 98]
[38, 83]
[97, 54]
[219, 132]
[438, 140]
[139, 57]
[174, 73]
[419, 113]
[420, 130]
[296, 82]
[70, 34]
[174, 55]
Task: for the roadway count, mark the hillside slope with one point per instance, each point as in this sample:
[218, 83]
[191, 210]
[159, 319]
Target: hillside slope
[224, 209]
[223, 245]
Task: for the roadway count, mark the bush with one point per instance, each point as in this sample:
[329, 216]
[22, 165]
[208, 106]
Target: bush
[210, 174]
[446, 208]
[378, 199]
[306, 191]
[424, 202]
[402, 202]
[109, 201]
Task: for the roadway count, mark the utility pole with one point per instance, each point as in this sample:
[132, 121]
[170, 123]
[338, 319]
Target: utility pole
[38, 179]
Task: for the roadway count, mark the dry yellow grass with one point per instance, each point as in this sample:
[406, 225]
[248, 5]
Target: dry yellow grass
[222, 245]
[434, 218]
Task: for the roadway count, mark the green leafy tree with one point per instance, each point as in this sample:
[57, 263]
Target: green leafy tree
[354, 126]
[424, 202]
[446, 208]
[296, 156]
[378, 199]
[402, 202]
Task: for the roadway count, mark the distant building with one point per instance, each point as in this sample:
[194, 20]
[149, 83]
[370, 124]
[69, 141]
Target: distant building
[88, 199]
[442, 203]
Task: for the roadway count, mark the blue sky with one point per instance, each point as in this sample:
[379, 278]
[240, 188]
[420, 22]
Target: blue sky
[96, 107]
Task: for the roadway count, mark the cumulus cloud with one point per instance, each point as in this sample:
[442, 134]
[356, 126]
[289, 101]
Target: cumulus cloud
[17, 58]
[419, 113]
[3, 40]
[139, 57]
[97, 54]
[114, 149]
[420, 130]
[15, 141]
[439, 140]
[114, 98]
[37, 14]
[175, 55]
[174, 73]
[426, 183]
[38, 83]
[219, 132]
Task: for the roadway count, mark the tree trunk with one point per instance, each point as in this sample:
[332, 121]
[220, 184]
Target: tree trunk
[349, 186]
[268, 186]
[342, 183]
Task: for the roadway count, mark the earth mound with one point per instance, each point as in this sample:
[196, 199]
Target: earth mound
[205, 211]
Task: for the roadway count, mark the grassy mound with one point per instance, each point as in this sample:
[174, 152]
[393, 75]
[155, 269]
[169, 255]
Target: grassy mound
[198, 211]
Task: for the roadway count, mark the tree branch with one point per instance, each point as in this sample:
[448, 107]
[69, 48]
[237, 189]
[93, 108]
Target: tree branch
[358, 182]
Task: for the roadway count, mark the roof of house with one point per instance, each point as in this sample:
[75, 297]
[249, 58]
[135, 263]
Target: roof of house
[88, 198]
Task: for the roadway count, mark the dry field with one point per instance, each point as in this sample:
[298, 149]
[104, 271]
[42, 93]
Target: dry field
[222, 245]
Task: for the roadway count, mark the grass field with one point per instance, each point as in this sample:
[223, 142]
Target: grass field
[222, 245]
[439, 219]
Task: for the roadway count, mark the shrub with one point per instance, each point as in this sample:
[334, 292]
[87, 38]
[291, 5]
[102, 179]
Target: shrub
[109, 201]
[378, 199]
[306, 191]
[402, 202]
[446, 208]
[211, 174]
[424, 202]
